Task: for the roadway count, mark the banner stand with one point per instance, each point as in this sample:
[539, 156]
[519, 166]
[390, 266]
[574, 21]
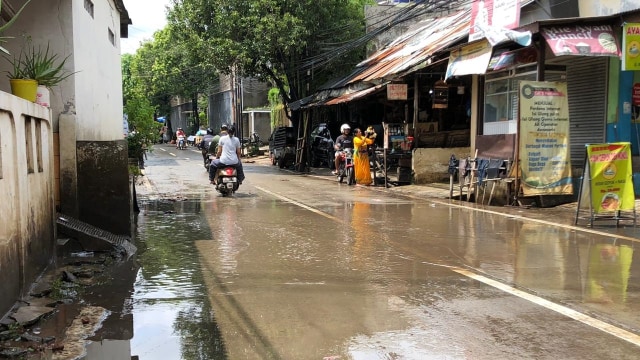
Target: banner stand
[606, 187]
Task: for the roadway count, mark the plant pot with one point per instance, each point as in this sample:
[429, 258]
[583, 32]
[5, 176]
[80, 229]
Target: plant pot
[24, 88]
[42, 96]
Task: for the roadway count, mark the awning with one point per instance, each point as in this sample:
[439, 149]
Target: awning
[354, 95]
[596, 39]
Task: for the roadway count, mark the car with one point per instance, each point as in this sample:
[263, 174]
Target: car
[282, 146]
[321, 151]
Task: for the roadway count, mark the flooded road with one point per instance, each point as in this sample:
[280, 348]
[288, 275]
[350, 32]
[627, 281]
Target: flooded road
[296, 267]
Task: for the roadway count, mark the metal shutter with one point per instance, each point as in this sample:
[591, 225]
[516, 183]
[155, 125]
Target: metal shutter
[587, 88]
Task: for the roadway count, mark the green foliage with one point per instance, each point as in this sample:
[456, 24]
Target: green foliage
[38, 63]
[273, 40]
[5, 26]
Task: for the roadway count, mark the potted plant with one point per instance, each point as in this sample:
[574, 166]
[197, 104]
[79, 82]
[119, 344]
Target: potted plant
[34, 67]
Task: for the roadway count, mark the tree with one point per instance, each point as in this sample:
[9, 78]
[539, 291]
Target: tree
[287, 43]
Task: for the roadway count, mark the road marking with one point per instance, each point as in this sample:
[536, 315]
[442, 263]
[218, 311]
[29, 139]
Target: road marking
[172, 154]
[165, 150]
[563, 310]
[300, 204]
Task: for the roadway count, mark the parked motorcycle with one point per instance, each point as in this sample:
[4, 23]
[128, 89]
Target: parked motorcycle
[182, 143]
[346, 169]
[226, 181]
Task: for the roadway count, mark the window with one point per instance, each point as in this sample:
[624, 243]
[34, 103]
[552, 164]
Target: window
[501, 102]
[112, 37]
[0, 155]
[28, 134]
[88, 5]
[39, 144]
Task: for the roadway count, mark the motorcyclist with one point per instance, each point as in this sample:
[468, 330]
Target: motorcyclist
[180, 133]
[344, 141]
[228, 153]
[213, 145]
[204, 145]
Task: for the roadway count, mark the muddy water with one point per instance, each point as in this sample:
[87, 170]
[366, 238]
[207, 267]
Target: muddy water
[172, 317]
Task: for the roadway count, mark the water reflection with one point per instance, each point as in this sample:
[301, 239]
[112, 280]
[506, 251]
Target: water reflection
[172, 316]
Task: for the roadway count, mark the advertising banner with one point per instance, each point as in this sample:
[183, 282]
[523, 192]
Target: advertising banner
[469, 59]
[583, 39]
[631, 47]
[544, 138]
[493, 14]
[609, 170]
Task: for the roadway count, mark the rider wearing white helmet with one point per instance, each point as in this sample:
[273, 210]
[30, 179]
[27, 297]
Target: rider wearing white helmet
[344, 141]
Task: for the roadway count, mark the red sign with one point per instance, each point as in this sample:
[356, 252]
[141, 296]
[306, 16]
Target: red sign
[636, 94]
[586, 40]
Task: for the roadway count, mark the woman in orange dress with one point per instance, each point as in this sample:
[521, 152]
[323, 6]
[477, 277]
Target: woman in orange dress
[361, 157]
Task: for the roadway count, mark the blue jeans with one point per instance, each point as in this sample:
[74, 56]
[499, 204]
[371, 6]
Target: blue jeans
[216, 163]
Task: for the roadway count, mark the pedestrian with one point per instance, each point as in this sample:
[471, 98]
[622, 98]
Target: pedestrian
[361, 142]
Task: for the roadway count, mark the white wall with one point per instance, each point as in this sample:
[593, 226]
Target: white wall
[99, 82]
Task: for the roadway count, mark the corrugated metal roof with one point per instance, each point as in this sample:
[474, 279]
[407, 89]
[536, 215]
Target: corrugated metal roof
[410, 50]
[354, 95]
[414, 47]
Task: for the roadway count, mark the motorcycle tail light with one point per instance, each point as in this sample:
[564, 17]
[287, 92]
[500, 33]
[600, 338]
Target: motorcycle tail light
[227, 171]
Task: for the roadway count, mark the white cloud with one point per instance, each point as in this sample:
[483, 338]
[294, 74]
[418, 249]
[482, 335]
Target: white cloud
[147, 16]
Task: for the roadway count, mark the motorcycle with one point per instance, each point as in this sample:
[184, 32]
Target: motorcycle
[346, 169]
[226, 181]
[182, 144]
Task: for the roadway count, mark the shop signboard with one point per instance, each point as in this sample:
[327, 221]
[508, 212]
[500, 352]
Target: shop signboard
[396, 91]
[584, 39]
[608, 167]
[544, 138]
[631, 47]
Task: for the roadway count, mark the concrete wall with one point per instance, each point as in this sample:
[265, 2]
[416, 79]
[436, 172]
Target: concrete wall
[430, 165]
[90, 101]
[27, 220]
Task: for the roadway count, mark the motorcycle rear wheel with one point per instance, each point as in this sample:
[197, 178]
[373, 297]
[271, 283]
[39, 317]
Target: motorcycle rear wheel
[350, 176]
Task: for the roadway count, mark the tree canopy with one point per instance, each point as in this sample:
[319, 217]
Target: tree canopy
[294, 45]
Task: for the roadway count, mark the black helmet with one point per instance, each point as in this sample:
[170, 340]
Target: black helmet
[231, 130]
[209, 131]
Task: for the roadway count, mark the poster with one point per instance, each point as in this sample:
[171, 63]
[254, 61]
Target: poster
[609, 170]
[544, 138]
[495, 14]
[631, 47]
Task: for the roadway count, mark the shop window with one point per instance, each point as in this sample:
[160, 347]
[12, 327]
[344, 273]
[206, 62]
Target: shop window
[501, 98]
[501, 102]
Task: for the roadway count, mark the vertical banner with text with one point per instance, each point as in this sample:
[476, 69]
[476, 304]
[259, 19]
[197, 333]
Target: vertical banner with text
[544, 138]
[610, 174]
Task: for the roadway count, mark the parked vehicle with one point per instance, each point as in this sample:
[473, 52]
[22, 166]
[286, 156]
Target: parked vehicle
[345, 169]
[252, 144]
[282, 146]
[226, 181]
[321, 152]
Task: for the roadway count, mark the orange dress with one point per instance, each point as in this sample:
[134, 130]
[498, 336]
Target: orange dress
[361, 160]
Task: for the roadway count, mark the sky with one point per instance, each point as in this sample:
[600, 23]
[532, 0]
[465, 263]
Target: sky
[147, 16]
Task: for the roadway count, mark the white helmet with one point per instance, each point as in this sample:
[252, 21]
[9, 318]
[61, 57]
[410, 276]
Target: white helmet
[345, 127]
